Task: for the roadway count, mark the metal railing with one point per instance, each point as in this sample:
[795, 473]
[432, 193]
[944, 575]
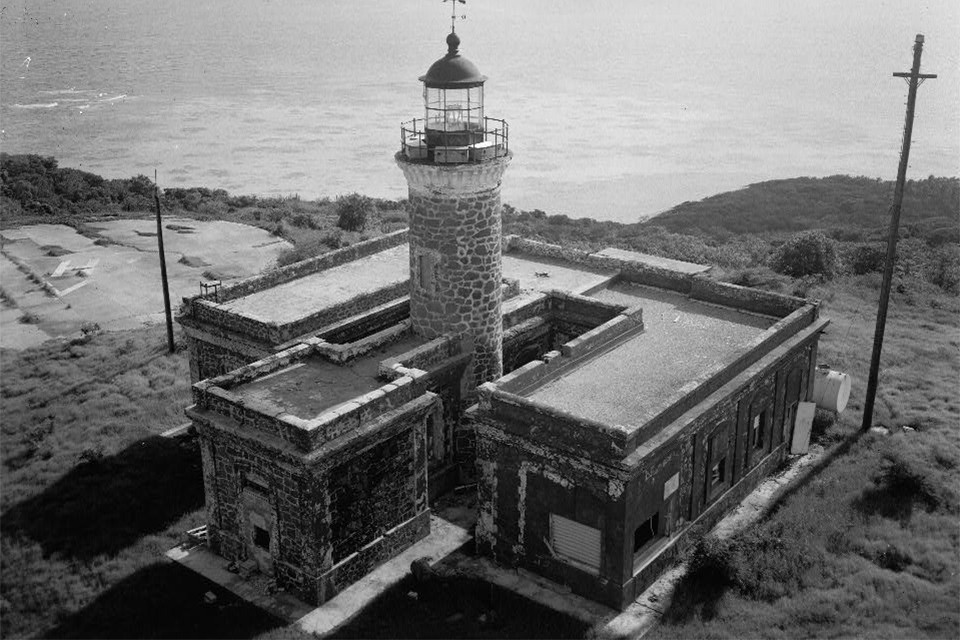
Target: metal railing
[478, 144]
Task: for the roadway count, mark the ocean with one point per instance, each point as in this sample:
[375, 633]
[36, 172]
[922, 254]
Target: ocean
[617, 110]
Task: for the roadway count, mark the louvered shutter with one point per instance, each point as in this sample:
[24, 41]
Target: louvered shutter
[576, 542]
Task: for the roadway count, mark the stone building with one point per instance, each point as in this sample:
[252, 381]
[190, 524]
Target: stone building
[608, 405]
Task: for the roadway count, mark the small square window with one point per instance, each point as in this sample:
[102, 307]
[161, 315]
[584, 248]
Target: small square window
[646, 532]
[261, 537]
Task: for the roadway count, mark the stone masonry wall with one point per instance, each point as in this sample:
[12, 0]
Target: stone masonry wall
[455, 256]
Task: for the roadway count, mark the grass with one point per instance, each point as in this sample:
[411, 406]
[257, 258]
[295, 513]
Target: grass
[869, 546]
[91, 494]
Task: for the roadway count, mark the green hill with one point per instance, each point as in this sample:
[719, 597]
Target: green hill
[836, 202]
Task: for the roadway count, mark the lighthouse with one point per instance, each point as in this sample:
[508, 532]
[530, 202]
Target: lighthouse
[453, 160]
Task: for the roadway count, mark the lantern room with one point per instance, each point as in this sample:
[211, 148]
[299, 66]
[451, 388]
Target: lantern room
[454, 128]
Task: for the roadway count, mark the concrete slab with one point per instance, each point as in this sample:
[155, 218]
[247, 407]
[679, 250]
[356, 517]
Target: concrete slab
[121, 287]
[682, 338]
[297, 299]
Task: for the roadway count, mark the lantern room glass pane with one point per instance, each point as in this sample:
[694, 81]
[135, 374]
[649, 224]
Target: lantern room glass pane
[454, 109]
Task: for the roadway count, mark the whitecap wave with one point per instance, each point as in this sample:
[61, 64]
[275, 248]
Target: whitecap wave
[113, 99]
[70, 91]
[38, 105]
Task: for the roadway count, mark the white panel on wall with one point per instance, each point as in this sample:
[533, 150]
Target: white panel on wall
[575, 542]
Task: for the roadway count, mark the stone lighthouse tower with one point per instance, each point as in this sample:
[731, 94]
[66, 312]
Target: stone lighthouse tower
[454, 159]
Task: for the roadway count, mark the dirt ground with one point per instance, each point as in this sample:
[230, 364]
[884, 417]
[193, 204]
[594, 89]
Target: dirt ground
[55, 281]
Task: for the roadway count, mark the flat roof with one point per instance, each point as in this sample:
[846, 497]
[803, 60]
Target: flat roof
[630, 383]
[297, 299]
[314, 385]
[543, 274]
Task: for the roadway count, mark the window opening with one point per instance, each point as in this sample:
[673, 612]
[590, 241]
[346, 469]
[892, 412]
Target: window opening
[717, 463]
[718, 472]
[425, 271]
[646, 532]
[261, 537]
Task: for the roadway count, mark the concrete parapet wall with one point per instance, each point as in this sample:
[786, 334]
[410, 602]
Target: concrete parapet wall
[304, 433]
[212, 313]
[312, 265]
[602, 335]
[384, 315]
[428, 355]
[630, 270]
[745, 298]
[564, 431]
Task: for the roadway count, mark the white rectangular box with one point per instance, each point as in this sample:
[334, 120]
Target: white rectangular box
[416, 148]
[450, 155]
[484, 150]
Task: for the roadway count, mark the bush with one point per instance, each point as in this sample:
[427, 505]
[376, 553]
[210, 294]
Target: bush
[868, 258]
[943, 268]
[354, 212]
[807, 254]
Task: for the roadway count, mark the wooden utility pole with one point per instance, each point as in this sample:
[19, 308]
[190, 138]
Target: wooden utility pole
[915, 79]
[163, 268]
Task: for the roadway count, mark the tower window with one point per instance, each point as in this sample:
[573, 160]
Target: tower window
[426, 265]
[261, 537]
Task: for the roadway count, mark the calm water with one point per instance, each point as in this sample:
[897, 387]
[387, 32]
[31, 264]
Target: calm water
[616, 110]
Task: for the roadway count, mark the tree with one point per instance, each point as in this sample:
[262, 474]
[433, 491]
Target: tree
[354, 211]
[808, 254]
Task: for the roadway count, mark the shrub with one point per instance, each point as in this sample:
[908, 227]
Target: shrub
[868, 258]
[943, 268]
[807, 254]
[354, 212]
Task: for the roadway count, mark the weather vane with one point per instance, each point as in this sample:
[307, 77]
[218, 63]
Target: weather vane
[453, 13]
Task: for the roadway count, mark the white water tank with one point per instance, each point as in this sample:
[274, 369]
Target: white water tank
[831, 389]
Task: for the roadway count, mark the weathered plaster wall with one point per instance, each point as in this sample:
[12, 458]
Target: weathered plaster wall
[332, 514]
[562, 462]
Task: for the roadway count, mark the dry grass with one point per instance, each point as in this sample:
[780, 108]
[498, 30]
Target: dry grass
[869, 546]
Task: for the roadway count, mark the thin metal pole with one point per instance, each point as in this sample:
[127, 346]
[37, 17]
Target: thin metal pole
[163, 268]
[915, 78]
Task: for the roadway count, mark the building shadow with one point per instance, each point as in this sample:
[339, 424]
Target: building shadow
[696, 595]
[106, 504]
[165, 600]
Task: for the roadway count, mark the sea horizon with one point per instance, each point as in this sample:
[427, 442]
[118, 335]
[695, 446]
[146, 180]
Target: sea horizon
[616, 113]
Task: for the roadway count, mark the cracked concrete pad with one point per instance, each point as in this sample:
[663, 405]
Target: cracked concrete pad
[120, 288]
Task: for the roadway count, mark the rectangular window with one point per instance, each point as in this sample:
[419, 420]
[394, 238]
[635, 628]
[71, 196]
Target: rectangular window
[255, 482]
[646, 532]
[759, 422]
[425, 271]
[789, 417]
[261, 537]
[575, 543]
[717, 471]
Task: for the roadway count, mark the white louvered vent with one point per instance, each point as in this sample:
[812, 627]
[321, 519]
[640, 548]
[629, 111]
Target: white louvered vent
[576, 543]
